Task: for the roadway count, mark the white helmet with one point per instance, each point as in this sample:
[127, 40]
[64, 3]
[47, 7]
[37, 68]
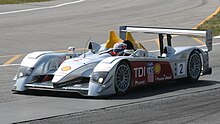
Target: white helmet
[119, 47]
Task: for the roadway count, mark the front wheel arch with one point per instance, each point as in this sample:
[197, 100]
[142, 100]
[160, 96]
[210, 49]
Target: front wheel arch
[122, 77]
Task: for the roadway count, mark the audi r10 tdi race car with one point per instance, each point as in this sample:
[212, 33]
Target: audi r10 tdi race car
[105, 71]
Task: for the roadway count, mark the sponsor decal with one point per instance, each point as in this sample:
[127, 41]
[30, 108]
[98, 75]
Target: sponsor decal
[77, 59]
[163, 77]
[181, 68]
[139, 82]
[150, 64]
[139, 72]
[157, 68]
[150, 68]
[150, 72]
[66, 68]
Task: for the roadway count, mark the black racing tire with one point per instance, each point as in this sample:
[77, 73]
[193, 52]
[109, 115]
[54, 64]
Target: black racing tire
[194, 66]
[122, 78]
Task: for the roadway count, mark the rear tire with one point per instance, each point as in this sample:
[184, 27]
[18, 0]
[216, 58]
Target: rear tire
[122, 78]
[194, 66]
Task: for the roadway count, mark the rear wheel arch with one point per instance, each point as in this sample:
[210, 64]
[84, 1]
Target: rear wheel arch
[194, 66]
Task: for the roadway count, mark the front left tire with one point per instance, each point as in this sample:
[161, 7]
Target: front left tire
[122, 77]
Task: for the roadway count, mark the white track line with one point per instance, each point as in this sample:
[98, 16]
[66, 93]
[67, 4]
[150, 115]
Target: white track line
[41, 8]
[215, 44]
[9, 65]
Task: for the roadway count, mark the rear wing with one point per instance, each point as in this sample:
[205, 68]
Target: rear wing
[168, 31]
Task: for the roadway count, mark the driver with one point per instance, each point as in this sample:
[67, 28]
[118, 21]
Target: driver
[118, 49]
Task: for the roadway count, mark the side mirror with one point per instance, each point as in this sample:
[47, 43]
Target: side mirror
[71, 49]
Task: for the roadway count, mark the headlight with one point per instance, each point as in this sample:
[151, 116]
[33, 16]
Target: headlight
[28, 71]
[20, 74]
[24, 71]
[98, 77]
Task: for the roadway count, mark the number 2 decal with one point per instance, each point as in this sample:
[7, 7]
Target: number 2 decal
[181, 68]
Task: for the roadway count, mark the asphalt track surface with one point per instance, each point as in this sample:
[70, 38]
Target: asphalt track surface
[58, 24]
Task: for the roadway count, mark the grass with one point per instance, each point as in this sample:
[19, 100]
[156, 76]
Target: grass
[213, 24]
[20, 1]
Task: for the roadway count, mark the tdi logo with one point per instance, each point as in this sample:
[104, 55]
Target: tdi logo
[139, 72]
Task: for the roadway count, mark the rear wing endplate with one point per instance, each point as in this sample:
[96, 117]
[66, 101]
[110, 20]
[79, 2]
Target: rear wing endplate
[169, 31]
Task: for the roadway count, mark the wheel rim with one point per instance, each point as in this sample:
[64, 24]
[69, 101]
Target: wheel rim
[122, 78]
[195, 66]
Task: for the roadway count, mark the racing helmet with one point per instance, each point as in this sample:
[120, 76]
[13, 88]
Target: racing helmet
[119, 47]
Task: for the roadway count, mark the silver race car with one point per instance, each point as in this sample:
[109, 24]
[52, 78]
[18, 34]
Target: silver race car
[105, 70]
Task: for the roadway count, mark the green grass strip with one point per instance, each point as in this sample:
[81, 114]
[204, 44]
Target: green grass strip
[213, 23]
[20, 1]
